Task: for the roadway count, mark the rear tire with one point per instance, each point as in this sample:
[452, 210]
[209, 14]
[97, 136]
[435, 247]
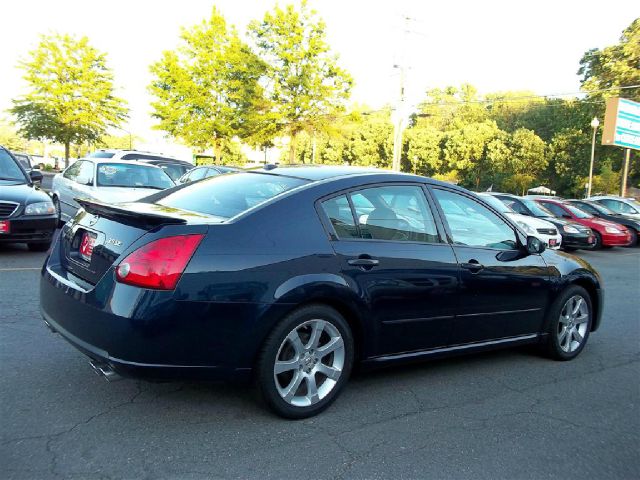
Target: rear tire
[634, 238]
[305, 362]
[569, 322]
[56, 205]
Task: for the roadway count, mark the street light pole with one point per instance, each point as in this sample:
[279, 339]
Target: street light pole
[594, 125]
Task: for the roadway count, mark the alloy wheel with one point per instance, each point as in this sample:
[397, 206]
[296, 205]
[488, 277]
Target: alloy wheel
[309, 363]
[573, 323]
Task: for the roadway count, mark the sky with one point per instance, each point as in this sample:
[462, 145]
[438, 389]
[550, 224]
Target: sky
[494, 45]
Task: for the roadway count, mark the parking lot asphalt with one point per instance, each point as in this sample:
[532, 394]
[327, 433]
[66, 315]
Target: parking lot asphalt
[503, 415]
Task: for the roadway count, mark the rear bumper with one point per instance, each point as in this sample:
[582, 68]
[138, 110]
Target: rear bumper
[30, 229]
[146, 333]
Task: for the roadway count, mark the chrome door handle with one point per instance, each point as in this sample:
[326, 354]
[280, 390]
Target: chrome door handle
[473, 266]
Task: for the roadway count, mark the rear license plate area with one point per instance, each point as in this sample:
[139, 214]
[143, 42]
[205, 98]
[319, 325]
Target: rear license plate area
[83, 243]
[553, 242]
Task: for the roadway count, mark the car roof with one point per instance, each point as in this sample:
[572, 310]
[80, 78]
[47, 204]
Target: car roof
[121, 162]
[319, 172]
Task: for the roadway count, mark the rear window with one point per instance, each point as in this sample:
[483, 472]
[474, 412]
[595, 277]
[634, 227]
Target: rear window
[133, 176]
[101, 155]
[229, 195]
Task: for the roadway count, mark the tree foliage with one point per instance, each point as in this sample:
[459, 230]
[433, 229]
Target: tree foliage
[71, 97]
[208, 90]
[306, 85]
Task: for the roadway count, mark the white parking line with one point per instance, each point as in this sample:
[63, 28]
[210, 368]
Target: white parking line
[18, 269]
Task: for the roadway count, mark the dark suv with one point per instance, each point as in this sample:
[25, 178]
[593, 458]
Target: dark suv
[27, 214]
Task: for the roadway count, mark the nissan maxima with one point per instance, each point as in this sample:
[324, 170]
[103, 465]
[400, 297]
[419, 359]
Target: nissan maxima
[291, 276]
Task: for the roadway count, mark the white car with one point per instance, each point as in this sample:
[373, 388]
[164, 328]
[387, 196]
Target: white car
[106, 180]
[625, 206]
[545, 231]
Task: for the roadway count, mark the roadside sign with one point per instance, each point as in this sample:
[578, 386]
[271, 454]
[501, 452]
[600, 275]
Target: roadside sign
[622, 123]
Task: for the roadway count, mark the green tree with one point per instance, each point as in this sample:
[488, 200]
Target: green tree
[208, 90]
[307, 87]
[71, 95]
[614, 66]
[422, 150]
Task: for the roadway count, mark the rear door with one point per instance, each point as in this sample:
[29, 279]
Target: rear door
[503, 290]
[66, 189]
[391, 249]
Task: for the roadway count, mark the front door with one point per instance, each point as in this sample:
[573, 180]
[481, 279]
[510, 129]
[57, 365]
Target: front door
[391, 250]
[503, 289]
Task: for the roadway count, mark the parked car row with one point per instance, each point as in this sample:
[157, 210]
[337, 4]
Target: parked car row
[587, 223]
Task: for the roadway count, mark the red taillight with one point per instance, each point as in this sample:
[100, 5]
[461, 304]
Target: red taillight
[158, 264]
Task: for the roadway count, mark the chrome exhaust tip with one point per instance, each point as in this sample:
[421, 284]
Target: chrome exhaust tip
[105, 371]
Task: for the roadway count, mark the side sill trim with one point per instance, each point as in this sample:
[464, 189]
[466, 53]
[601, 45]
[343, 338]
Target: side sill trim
[503, 312]
[456, 348]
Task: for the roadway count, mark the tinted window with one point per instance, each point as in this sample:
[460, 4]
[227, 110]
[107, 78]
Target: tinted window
[557, 210]
[132, 175]
[229, 195]
[101, 155]
[537, 209]
[339, 213]
[516, 206]
[473, 224]
[24, 160]
[396, 213]
[618, 206]
[496, 203]
[72, 171]
[577, 211]
[174, 170]
[587, 208]
[85, 173]
[197, 174]
[9, 169]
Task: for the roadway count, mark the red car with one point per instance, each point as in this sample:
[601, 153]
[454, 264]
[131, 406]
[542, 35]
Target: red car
[608, 234]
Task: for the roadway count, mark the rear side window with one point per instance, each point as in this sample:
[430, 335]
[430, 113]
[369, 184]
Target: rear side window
[101, 155]
[339, 213]
[229, 195]
[395, 212]
[555, 209]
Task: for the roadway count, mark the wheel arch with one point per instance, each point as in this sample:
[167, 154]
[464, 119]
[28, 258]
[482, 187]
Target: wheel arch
[592, 289]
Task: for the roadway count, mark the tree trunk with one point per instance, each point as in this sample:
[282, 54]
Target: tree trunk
[217, 152]
[293, 143]
[67, 148]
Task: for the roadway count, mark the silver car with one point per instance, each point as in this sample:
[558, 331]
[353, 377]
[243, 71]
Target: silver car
[625, 206]
[109, 181]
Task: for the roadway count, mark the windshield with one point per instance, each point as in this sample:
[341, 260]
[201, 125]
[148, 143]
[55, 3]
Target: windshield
[496, 203]
[537, 209]
[133, 176]
[577, 212]
[9, 169]
[229, 195]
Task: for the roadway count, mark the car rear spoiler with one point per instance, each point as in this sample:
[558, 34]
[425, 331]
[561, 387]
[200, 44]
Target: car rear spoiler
[140, 214]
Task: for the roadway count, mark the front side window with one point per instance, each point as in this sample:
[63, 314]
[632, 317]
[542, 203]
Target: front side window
[474, 225]
[197, 174]
[72, 171]
[578, 212]
[618, 206]
[85, 173]
[132, 176]
[9, 169]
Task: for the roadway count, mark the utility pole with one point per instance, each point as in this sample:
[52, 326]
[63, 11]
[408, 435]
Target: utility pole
[625, 171]
[400, 106]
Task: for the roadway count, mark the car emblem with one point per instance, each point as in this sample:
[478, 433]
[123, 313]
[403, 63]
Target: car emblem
[94, 220]
[114, 241]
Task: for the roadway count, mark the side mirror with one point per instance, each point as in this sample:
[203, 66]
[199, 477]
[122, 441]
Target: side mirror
[535, 246]
[36, 176]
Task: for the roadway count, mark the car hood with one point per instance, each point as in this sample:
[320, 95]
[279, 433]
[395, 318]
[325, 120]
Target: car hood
[22, 194]
[531, 221]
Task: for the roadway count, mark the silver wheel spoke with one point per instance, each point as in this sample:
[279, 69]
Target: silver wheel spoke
[316, 332]
[577, 336]
[294, 338]
[286, 365]
[292, 388]
[563, 335]
[576, 306]
[331, 346]
[329, 372]
[312, 389]
[582, 319]
[564, 319]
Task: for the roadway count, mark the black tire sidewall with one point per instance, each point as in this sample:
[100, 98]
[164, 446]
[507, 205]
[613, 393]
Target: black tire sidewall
[264, 373]
[598, 244]
[553, 317]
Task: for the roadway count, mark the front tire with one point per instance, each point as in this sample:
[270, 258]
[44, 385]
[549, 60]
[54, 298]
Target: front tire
[56, 205]
[598, 243]
[569, 322]
[305, 362]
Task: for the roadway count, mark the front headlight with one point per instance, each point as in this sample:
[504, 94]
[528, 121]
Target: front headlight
[40, 208]
[526, 228]
[612, 230]
[570, 229]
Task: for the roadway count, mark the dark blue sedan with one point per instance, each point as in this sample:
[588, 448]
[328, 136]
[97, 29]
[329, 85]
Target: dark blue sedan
[290, 276]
